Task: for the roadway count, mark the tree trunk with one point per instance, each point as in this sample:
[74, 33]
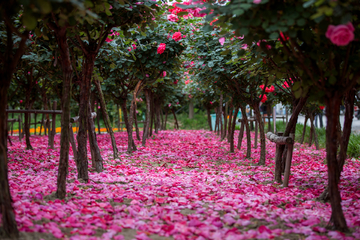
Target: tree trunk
[220, 115]
[6, 208]
[166, 115]
[82, 161]
[268, 107]
[217, 124]
[241, 134]
[96, 159]
[191, 109]
[162, 119]
[304, 130]
[136, 124]
[230, 119]
[278, 164]
[53, 128]
[98, 117]
[176, 122]
[332, 114]
[106, 119]
[151, 113]
[311, 129]
[290, 128]
[225, 114]
[232, 148]
[157, 115]
[313, 132]
[262, 134]
[26, 122]
[256, 133]
[147, 117]
[131, 144]
[209, 118]
[248, 138]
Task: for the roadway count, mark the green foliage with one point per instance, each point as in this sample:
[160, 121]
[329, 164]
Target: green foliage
[198, 122]
[354, 145]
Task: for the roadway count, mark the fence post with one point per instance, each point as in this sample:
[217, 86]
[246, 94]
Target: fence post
[288, 161]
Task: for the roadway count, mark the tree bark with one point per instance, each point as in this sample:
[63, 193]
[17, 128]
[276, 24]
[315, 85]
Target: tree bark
[332, 114]
[176, 122]
[26, 122]
[314, 132]
[82, 161]
[278, 169]
[53, 128]
[151, 113]
[6, 208]
[241, 134]
[304, 130]
[106, 119]
[96, 159]
[98, 117]
[131, 143]
[147, 117]
[225, 114]
[191, 109]
[166, 115]
[290, 128]
[220, 114]
[262, 134]
[136, 124]
[311, 129]
[209, 118]
[232, 148]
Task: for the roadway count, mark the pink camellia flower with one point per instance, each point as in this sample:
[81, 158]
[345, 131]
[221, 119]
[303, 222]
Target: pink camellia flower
[134, 46]
[211, 102]
[176, 36]
[161, 48]
[147, 75]
[221, 41]
[340, 35]
[172, 18]
[108, 40]
[164, 74]
[177, 103]
[21, 101]
[169, 104]
[257, 1]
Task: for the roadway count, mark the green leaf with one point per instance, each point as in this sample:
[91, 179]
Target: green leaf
[238, 12]
[308, 3]
[301, 22]
[274, 35]
[29, 21]
[332, 80]
[37, 32]
[45, 6]
[296, 86]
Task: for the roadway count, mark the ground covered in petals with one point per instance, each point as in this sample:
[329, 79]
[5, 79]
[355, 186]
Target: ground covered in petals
[183, 185]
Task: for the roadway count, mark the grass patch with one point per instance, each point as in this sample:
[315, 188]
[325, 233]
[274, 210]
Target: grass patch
[198, 122]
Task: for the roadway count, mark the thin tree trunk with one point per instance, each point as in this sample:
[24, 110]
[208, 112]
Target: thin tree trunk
[131, 144]
[230, 120]
[209, 118]
[313, 132]
[332, 114]
[136, 124]
[96, 159]
[53, 128]
[268, 107]
[241, 134]
[311, 129]
[262, 134]
[248, 138]
[166, 115]
[82, 161]
[220, 114]
[162, 119]
[66, 67]
[176, 122]
[256, 133]
[290, 128]
[304, 130]
[278, 164]
[151, 113]
[106, 119]
[26, 123]
[147, 117]
[98, 117]
[232, 148]
[225, 114]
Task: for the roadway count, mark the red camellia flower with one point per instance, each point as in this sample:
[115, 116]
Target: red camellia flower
[322, 107]
[270, 89]
[264, 98]
[161, 48]
[176, 36]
